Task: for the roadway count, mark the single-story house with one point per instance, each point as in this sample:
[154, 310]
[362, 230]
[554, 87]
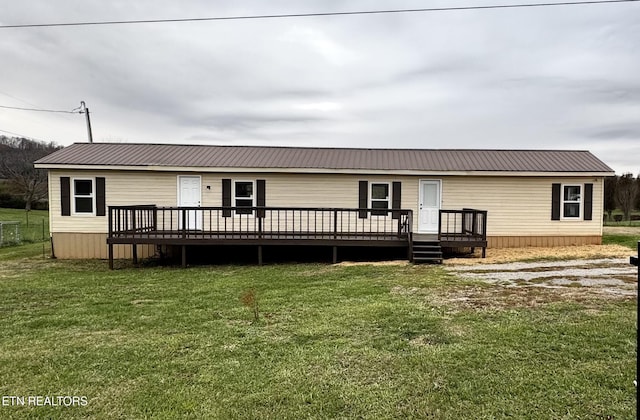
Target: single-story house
[121, 200]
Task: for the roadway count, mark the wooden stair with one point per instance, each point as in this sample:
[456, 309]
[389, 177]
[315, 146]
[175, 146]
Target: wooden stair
[427, 251]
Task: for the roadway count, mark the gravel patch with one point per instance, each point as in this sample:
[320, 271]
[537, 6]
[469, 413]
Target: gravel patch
[610, 276]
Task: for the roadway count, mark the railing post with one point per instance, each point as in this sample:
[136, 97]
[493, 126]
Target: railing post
[155, 218]
[110, 221]
[133, 221]
[184, 226]
[474, 226]
[335, 223]
[484, 225]
[410, 235]
[463, 223]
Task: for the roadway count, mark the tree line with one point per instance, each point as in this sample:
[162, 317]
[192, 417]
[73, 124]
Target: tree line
[622, 192]
[22, 185]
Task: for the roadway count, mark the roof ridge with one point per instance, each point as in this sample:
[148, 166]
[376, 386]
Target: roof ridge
[246, 146]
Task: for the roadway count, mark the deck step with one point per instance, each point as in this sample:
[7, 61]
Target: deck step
[427, 252]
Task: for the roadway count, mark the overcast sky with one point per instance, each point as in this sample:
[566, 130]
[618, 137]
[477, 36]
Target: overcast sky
[532, 78]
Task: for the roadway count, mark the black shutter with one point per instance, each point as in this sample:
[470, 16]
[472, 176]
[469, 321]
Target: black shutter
[101, 201]
[396, 198]
[555, 202]
[65, 195]
[260, 197]
[588, 201]
[362, 199]
[226, 197]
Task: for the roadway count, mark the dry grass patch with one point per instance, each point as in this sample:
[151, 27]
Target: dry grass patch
[505, 255]
[501, 298]
[373, 263]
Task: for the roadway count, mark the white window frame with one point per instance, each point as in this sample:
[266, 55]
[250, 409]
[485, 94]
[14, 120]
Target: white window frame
[92, 196]
[579, 202]
[233, 196]
[388, 200]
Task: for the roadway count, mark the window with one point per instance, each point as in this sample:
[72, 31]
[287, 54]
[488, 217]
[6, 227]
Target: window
[571, 201]
[380, 198]
[243, 196]
[83, 196]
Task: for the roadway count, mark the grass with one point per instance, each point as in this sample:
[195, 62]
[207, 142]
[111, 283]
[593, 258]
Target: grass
[630, 241]
[37, 228]
[330, 342]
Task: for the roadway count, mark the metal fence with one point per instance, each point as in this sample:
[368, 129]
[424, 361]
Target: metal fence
[9, 233]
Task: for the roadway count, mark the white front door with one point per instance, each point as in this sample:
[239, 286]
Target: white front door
[189, 196]
[429, 206]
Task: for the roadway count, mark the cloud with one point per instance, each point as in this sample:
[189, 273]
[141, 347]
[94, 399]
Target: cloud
[558, 77]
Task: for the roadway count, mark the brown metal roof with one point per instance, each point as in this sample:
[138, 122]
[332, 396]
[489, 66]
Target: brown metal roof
[127, 154]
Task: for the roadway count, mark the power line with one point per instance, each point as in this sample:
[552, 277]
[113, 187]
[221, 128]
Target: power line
[301, 15]
[40, 110]
[18, 99]
[22, 135]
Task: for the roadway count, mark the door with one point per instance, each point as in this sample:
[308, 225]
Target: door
[429, 206]
[189, 196]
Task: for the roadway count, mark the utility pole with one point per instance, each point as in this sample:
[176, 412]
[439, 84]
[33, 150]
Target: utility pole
[85, 110]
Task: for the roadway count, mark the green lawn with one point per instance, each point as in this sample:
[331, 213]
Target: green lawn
[630, 241]
[330, 342]
[36, 229]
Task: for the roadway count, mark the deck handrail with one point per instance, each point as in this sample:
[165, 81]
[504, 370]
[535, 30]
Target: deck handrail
[470, 223]
[137, 220]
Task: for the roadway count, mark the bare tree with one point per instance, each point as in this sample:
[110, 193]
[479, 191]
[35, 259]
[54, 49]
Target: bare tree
[16, 165]
[638, 192]
[610, 195]
[626, 191]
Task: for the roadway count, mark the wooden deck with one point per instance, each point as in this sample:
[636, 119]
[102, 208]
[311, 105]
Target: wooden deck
[261, 226]
[279, 226]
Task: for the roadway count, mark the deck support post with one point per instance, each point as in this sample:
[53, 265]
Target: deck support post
[259, 254]
[134, 253]
[335, 254]
[110, 256]
[484, 252]
[184, 256]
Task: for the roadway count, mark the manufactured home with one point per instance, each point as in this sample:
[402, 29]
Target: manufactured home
[119, 200]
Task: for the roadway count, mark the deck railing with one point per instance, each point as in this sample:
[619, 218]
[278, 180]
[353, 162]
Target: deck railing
[260, 222]
[465, 223]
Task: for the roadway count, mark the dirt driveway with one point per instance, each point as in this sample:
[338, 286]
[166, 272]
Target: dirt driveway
[614, 277]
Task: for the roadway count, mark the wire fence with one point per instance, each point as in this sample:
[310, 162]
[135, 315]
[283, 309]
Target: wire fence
[9, 233]
[15, 233]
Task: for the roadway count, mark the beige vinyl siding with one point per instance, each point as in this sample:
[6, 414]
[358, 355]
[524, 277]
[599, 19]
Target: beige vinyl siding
[121, 188]
[310, 190]
[517, 206]
[521, 206]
